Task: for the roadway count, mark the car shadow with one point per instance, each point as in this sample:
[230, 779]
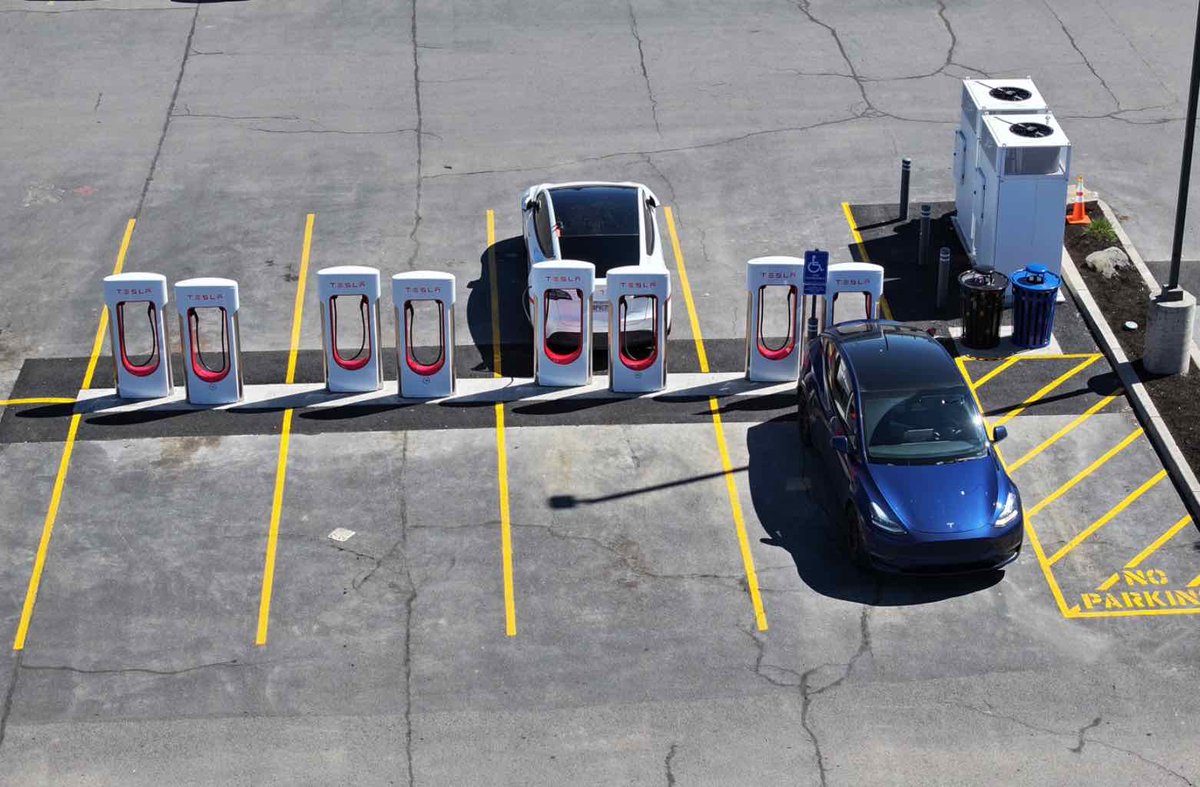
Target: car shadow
[788, 489]
[508, 279]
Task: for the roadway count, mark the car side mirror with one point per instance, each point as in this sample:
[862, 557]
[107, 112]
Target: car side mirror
[531, 204]
[651, 200]
[840, 443]
[999, 433]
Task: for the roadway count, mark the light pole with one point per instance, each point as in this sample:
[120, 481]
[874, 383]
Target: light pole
[1173, 312]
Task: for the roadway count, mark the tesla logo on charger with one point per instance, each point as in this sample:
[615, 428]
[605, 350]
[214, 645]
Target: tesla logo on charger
[561, 279]
[423, 290]
[207, 297]
[348, 285]
[133, 291]
[853, 282]
[639, 285]
[779, 275]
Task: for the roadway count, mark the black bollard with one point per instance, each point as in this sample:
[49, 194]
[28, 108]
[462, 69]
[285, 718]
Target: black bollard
[943, 286]
[923, 241]
[905, 169]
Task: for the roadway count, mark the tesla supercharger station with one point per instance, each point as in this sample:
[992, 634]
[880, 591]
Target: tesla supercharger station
[425, 372]
[350, 293]
[1024, 168]
[778, 360]
[980, 98]
[204, 305]
[146, 374]
[637, 329]
[861, 278]
[562, 292]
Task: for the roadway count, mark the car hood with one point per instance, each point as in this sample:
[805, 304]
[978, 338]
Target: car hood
[946, 498]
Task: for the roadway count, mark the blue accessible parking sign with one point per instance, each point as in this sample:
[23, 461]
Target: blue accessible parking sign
[816, 269]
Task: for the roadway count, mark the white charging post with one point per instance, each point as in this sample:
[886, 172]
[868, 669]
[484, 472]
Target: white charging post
[767, 360]
[128, 296]
[358, 288]
[862, 278]
[426, 372]
[200, 301]
[637, 329]
[562, 292]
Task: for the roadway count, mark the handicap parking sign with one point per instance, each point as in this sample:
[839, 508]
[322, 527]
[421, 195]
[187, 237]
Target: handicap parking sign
[816, 269]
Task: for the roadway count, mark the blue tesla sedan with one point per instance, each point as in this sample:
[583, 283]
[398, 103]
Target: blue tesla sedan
[920, 485]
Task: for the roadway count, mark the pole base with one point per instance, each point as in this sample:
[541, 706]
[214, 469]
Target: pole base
[1169, 333]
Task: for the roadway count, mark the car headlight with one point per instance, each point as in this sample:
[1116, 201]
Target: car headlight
[883, 520]
[1010, 510]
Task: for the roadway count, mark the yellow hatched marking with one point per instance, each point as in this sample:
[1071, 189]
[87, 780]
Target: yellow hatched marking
[1158, 542]
[268, 583]
[510, 605]
[1195, 583]
[739, 522]
[996, 372]
[1030, 530]
[1052, 439]
[1047, 389]
[1085, 472]
[1091, 529]
[64, 465]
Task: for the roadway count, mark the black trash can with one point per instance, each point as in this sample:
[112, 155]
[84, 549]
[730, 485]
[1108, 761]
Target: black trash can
[1035, 291]
[982, 295]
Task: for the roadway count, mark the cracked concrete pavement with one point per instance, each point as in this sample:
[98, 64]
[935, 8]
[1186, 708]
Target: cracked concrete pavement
[219, 126]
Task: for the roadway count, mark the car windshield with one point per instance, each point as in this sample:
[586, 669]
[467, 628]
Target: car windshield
[922, 426]
[598, 224]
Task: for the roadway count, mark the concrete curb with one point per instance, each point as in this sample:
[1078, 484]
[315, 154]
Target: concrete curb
[1156, 429]
[1151, 283]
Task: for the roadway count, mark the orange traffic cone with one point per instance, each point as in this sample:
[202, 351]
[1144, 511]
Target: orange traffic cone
[1078, 213]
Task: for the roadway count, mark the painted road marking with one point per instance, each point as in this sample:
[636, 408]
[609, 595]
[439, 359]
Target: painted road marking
[42, 400]
[862, 253]
[1149, 550]
[997, 371]
[64, 464]
[1052, 439]
[1085, 472]
[510, 606]
[264, 601]
[1030, 530]
[1048, 389]
[735, 504]
[1108, 517]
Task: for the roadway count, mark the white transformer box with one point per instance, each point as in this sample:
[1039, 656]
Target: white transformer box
[982, 97]
[1024, 167]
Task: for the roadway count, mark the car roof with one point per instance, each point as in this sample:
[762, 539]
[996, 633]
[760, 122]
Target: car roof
[891, 356]
[609, 209]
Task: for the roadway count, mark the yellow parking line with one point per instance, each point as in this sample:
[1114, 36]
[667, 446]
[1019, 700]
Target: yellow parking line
[510, 606]
[1097, 407]
[64, 464]
[1158, 542]
[1148, 551]
[1030, 530]
[1091, 529]
[739, 522]
[1195, 583]
[997, 371]
[41, 400]
[862, 253]
[1047, 389]
[1085, 472]
[268, 583]
[1137, 613]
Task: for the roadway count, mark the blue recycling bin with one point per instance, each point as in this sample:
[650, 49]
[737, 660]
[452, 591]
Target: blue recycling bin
[1034, 291]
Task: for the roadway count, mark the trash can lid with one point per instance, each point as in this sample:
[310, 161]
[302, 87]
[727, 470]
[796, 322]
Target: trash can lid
[1036, 278]
[985, 281]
